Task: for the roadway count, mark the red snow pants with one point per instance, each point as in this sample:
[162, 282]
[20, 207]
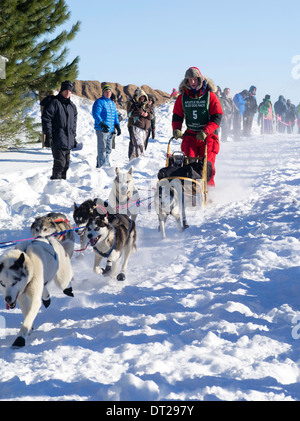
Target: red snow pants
[193, 148]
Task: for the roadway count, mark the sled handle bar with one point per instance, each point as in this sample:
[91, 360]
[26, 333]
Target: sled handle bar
[169, 147]
[172, 138]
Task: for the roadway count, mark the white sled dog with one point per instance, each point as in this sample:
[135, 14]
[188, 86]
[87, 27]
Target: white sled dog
[55, 223]
[124, 197]
[111, 241]
[167, 201]
[24, 274]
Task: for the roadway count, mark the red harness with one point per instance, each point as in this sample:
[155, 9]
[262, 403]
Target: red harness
[62, 220]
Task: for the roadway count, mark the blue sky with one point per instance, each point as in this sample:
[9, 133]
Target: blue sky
[235, 43]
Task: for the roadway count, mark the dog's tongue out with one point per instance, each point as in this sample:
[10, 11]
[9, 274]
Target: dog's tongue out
[93, 241]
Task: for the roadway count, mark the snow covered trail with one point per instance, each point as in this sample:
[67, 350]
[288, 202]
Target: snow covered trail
[208, 314]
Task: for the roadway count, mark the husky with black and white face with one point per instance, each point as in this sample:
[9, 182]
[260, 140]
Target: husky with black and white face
[24, 274]
[86, 210]
[111, 241]
[81, 214]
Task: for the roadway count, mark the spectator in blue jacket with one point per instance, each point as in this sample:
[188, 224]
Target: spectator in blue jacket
[240, 102]
[106, 121]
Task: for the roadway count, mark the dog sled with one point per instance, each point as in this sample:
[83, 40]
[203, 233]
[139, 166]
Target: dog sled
[188, 175]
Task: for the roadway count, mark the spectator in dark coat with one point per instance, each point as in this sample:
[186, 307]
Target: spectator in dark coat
[218, 92]
[291, 116]
[228, 110]
[59, 120]
[250, 110]
[139, 122]
[280, 109]
[151, 103]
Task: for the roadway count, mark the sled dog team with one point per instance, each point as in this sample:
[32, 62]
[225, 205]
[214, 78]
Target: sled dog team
[109, 227]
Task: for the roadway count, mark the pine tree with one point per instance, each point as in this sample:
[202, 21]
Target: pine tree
[35, 63]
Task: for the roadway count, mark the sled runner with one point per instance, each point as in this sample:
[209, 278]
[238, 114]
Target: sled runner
[188, 176]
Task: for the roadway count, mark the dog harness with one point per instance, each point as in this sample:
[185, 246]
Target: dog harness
[106, 254]
[63, 233]
[39, 240]
[109, 253]
[128, 204]
[62, 220]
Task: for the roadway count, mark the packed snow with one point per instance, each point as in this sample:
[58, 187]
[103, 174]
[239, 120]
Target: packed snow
[212, 313]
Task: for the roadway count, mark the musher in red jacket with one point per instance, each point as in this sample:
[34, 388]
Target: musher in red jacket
[202, 111]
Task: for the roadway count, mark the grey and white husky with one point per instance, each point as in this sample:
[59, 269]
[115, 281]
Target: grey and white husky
[168, 201]
[124, 197]
[112, 241]
[25, 272]
[55, 224]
